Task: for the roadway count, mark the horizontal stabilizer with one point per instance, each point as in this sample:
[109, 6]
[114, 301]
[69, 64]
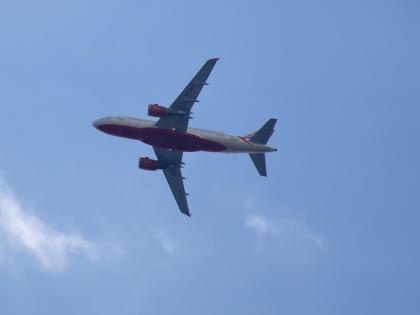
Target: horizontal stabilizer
[259, 161]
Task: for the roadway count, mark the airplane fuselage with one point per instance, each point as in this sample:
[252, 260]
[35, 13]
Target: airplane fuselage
[192, 140]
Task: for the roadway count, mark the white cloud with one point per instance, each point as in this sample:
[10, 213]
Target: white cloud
[293, 229]
[260, 225]
[168, 244]
[22, 231]
[287, 230]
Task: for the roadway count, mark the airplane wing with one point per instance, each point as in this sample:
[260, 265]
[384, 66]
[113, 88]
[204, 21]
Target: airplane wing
[187, 98]
[173, 175]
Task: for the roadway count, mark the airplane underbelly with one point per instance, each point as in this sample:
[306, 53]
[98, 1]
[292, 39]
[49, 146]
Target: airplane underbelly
[181, 141]
[164, 138]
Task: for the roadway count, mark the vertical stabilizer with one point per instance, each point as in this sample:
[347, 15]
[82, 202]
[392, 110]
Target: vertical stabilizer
[265, 132]
[261, 137]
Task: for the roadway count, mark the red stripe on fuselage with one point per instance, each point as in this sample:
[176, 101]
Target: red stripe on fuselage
[164, 138]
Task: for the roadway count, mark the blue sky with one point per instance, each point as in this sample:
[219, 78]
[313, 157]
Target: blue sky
[332, 230]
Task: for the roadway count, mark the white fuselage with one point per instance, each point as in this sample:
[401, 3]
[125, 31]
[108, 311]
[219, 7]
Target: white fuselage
[194, 139]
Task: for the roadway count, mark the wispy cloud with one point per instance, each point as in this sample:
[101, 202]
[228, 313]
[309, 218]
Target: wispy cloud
[22, 231]
[294, 229]
[168, 244]
[260, 225]
[287, 230]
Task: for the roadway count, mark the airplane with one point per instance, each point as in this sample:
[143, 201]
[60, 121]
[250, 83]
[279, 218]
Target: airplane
[170, 136]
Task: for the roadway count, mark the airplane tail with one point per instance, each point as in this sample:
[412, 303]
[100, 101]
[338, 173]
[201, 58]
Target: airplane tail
[261, 137]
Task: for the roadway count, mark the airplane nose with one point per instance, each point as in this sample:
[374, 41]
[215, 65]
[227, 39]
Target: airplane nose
[96, 123]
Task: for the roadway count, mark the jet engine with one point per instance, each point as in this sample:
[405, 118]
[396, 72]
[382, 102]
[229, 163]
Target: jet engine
[148, 164]
[155, 110]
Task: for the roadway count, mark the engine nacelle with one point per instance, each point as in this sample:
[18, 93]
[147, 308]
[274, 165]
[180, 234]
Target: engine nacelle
[155, 110]
[148, 164]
